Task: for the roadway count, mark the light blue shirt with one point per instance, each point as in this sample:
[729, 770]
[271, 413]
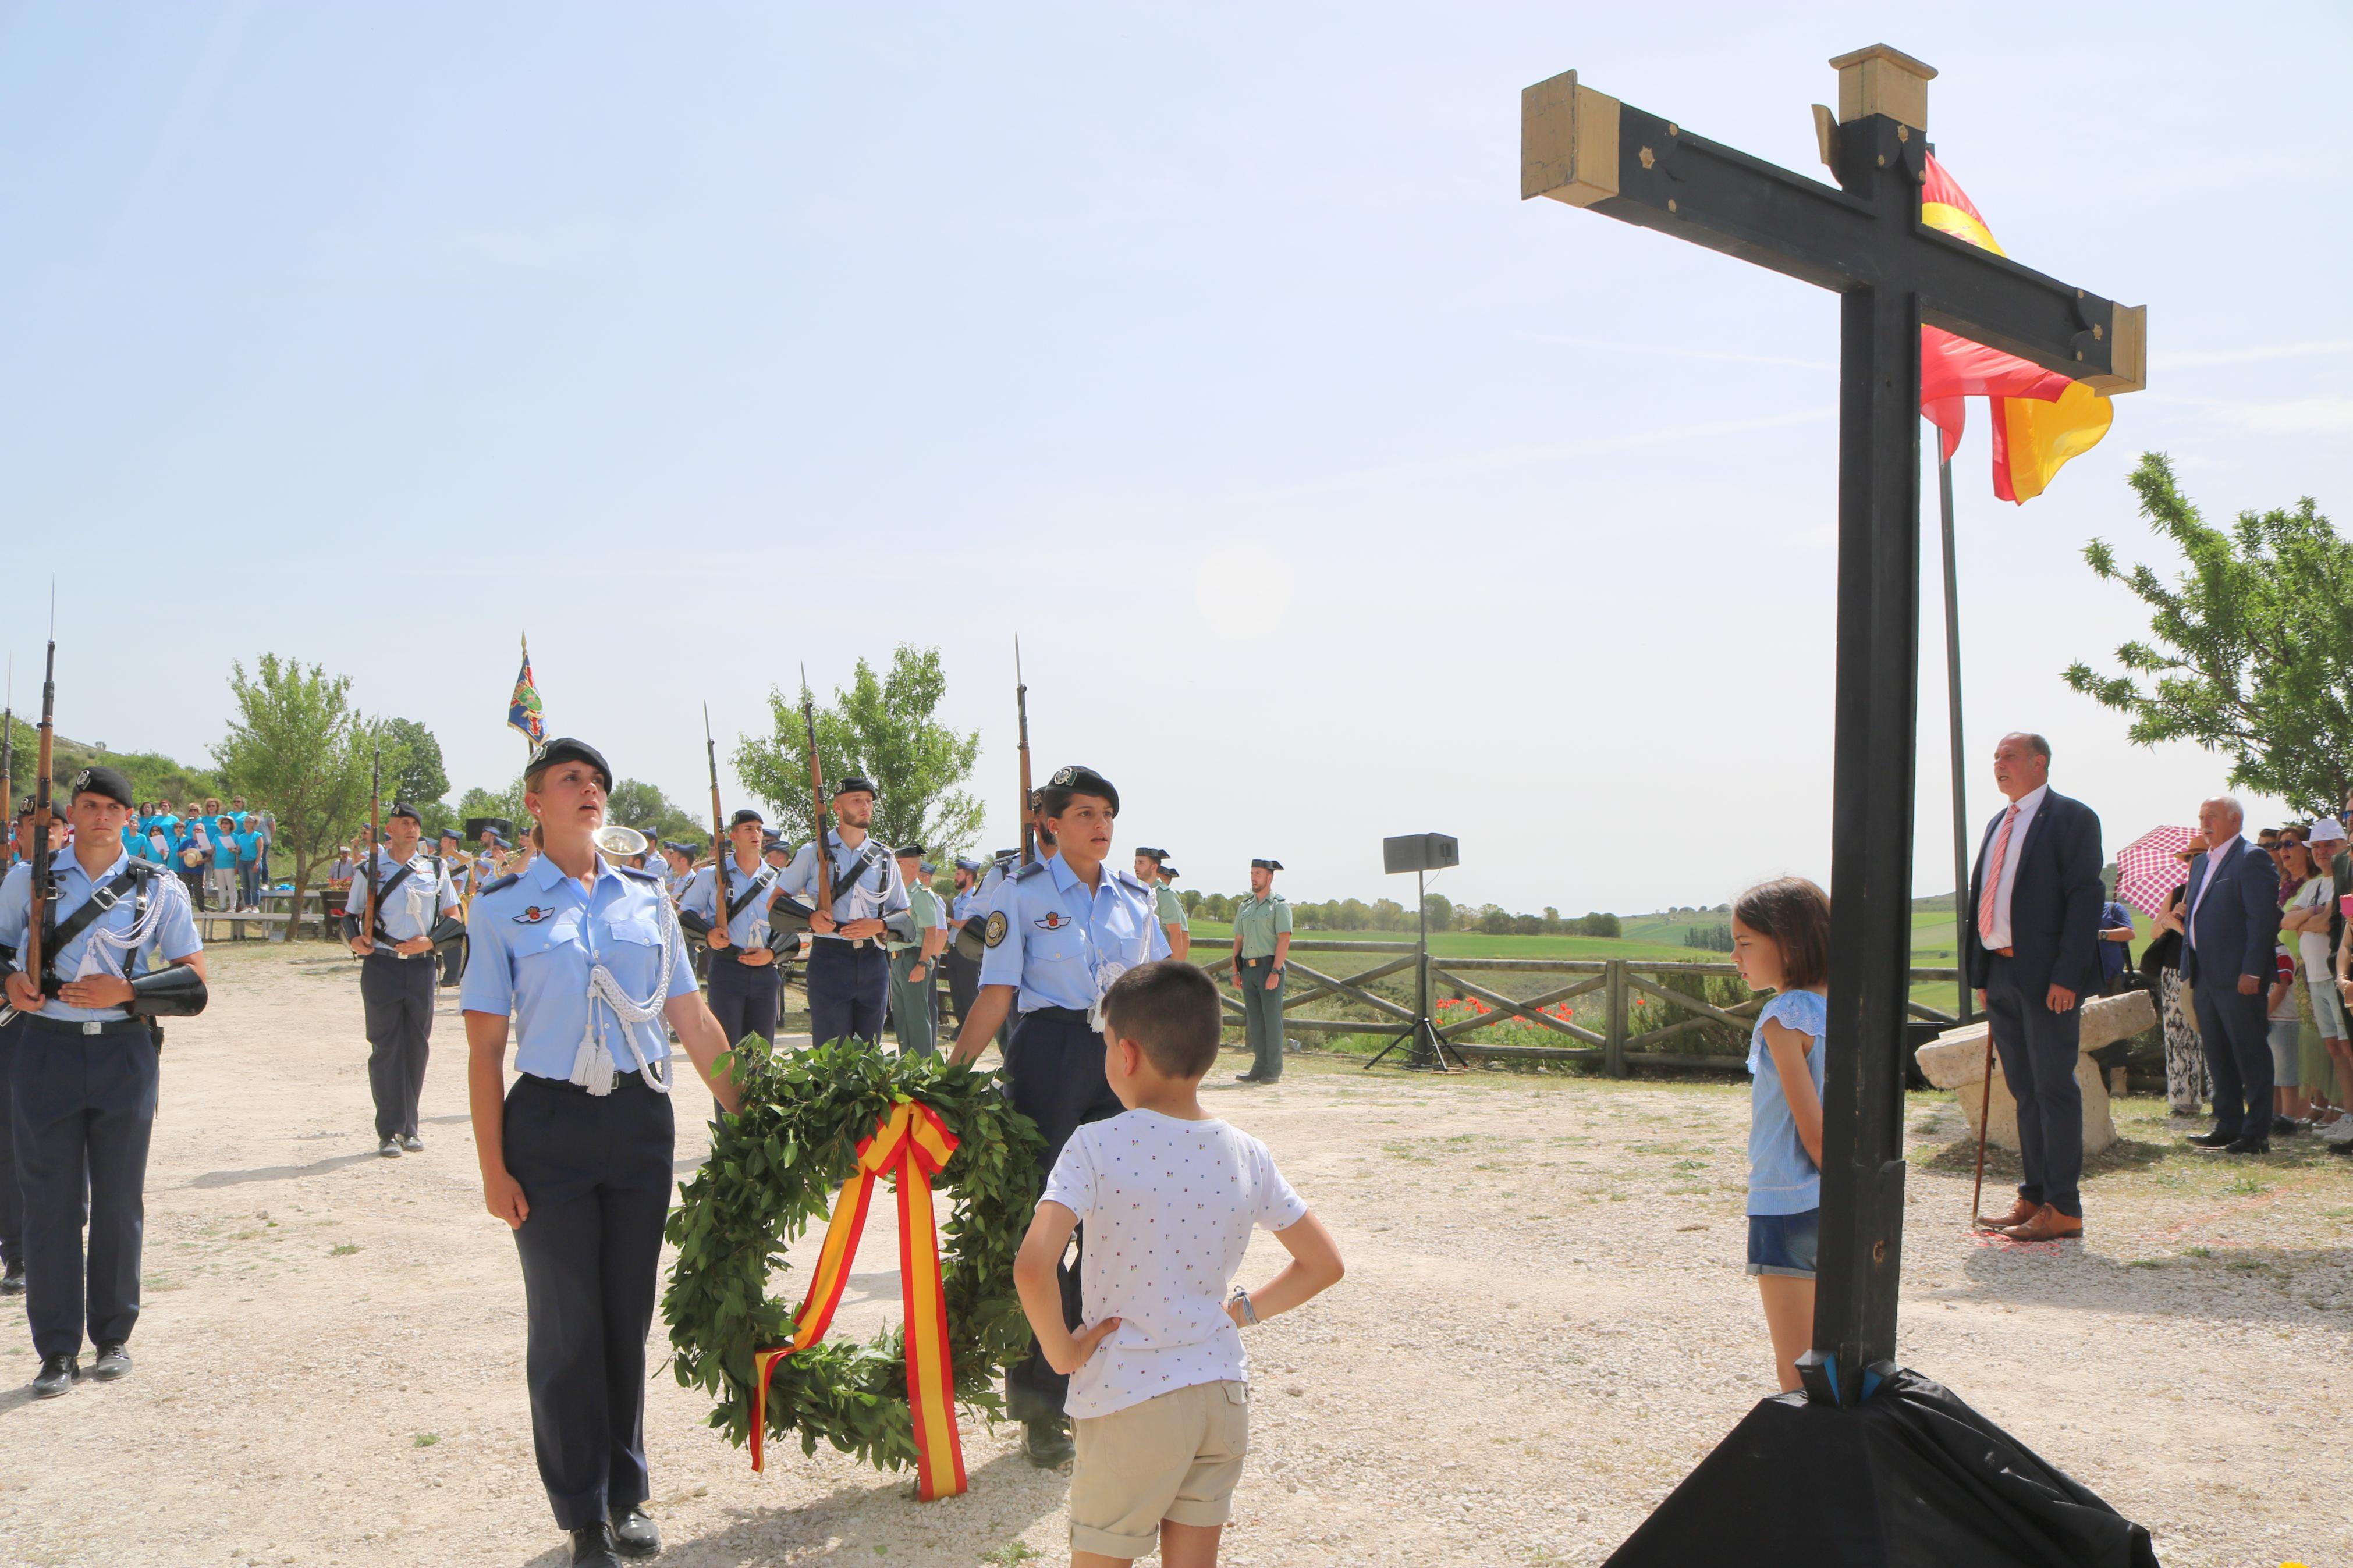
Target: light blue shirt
[408, 913]
[749, 928]
[876, 890]
[964, 905]
[172, 934]
[1047, 935]
[535, 937]
[1782, 1177]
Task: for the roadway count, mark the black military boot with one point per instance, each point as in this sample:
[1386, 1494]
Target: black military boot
[1047, 1442]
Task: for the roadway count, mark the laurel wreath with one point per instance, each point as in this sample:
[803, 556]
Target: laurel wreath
[774, 1171]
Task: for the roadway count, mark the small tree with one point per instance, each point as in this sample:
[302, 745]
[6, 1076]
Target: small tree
[641, 805]
[412, 764]
[296, 748]
[506, 805]
[881, 729]
[2253, 643]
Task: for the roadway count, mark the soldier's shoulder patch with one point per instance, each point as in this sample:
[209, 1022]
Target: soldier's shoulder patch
[1031, 869]
[993, 934]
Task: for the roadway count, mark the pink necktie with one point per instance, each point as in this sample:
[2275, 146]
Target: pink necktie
[1993, 876]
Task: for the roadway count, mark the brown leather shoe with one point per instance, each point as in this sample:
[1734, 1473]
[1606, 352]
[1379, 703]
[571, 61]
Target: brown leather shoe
[2048, 1225]
[2020, 1213]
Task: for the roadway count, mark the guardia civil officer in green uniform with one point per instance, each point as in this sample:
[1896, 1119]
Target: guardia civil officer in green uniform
[587, 957]
[397, 970]
[1152, 871]
[1060, 931]
[1261, 947]
[84, 1079]
[913, 957]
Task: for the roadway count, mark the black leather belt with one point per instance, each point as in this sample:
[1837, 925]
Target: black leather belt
[81, 1027]
[1070, 1015]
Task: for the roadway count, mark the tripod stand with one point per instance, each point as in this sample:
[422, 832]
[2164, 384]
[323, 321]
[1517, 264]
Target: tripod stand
[1425, 1049]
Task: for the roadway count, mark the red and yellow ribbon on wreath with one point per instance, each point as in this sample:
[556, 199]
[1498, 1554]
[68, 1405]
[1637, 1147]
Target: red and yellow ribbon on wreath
[911, 1144]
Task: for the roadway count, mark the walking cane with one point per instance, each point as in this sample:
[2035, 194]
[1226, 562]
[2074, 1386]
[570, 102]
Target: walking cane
[1985, 1108]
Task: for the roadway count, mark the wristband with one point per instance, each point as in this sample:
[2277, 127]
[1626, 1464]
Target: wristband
[1250, 1313]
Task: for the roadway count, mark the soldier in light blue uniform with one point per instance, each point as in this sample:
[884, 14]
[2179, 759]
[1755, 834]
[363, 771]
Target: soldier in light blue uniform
[1058, 934]
[397, 970]
[848, 971]
[84, 1079]
[963, 968]
[588, 958]
[743, 979]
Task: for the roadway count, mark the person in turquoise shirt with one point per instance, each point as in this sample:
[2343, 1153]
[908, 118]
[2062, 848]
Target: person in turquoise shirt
[1262, 948]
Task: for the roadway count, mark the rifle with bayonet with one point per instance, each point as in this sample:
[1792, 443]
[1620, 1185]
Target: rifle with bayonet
[38, 922]
[691, 921]
[8, 754]
[376, 838]
[817, 801]
[1021, 706]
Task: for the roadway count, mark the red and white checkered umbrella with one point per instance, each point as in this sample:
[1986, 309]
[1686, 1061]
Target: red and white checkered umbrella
[2148, 869]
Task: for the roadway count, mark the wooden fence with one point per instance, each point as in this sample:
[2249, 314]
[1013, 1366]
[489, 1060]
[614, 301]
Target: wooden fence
[1615, 1048]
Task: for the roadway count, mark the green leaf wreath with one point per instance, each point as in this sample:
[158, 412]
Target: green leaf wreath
[774, 1171]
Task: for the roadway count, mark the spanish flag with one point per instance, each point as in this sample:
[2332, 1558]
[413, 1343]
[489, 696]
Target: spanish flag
[2041, 418]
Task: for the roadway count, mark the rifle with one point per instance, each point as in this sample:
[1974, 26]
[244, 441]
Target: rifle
[375, 836]
[8, 752]
[45, 889]
[817, 801]
[722, 852]
[1021, 703]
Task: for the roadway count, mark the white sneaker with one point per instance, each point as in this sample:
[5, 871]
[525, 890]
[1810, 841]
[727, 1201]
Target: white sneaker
[2338, 1131]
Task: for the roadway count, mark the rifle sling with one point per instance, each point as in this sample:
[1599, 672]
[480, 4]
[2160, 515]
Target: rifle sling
[55, 934]
[760, 882]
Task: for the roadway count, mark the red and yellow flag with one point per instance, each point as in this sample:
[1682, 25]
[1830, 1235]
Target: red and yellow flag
[911, 1144]
[2041, 418]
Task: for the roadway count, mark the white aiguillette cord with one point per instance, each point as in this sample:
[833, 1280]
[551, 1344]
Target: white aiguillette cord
[593, 1067]
[1107, 972]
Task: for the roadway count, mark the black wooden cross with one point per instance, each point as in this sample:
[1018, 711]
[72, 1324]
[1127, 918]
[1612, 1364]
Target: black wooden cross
[1864, 239]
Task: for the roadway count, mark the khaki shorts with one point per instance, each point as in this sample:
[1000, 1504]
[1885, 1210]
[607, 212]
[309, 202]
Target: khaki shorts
[1174, 1457]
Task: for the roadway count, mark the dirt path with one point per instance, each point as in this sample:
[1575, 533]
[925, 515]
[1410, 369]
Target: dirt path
[1545, 1326]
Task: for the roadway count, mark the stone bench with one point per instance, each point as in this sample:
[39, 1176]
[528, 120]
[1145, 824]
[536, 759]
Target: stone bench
[1956, 1060]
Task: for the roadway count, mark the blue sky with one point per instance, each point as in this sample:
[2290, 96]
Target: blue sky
[1333, 491]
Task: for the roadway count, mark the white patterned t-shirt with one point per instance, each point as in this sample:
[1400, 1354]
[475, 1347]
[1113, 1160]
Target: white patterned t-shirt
[1167, 1207]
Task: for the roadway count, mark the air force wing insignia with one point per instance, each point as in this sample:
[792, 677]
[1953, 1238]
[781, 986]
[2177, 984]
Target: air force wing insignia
[533, 915]
[993, 934]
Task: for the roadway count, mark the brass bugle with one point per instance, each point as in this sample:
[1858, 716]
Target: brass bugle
[618, 843]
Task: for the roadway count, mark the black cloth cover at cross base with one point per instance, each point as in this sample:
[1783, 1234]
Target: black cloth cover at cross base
[1912, 1477]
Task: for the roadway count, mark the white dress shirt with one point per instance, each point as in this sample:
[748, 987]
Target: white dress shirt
[2215, 854]
[1997, 935]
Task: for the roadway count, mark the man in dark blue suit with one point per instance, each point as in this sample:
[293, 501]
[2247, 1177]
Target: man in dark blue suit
[2232, 933]
[2030, 938]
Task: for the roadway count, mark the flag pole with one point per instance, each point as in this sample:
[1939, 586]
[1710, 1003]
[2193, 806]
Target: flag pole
[1953, 710]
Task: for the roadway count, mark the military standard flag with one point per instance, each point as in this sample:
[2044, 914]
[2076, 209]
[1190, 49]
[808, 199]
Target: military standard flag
[523, 707]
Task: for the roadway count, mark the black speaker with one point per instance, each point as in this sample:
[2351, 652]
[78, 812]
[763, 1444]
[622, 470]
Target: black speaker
[1420, 852]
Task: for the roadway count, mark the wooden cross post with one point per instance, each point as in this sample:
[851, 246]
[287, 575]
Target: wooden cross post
[1864, 239]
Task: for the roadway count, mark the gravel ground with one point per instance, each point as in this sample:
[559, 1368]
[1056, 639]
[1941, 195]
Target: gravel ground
[1545, 1326]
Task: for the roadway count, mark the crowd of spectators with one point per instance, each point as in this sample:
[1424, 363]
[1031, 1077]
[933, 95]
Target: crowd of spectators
[220, 851]
[2311, 992]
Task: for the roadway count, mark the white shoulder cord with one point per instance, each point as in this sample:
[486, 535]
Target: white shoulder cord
[1108, 970]
[125, 943]
[593, 1067]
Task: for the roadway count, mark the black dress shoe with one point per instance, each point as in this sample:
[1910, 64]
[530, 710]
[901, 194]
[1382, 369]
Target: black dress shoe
[1245, 1078]
[12, 1278]
[58, 1375]
[2212, 1140]
[634, 1534]
[112, 1362]
[1047, 1443]
[2285, 1127]
[592, 1547]
[2249, 1146]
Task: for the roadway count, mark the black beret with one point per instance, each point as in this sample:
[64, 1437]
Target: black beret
[1080, 779]
[448, 833]
[966, 863]
[401, 808]
[99, 779]
[853, 784]
[746, 815]
[564, 749]
[1266, 865]
[28, 806]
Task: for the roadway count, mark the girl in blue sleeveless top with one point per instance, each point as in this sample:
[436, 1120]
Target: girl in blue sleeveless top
[1781, 941]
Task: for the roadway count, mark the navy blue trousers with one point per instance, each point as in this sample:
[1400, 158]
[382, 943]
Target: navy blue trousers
[742, 996]
[847, 987]
[12, 1202]
[396, 998]
[2236, 1034]
[2037, 1049]
[1054, 1076]
[84, 1108]
[595, 1172]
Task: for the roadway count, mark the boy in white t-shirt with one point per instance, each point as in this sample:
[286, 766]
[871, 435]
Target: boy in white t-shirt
[1158, 1398]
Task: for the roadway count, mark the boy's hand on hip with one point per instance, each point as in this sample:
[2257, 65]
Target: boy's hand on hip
[1083, 1346]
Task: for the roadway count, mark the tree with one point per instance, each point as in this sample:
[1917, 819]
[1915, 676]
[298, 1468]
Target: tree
[881, 729]
[295, 748]
[641, 805]
[1439, 909]
[506, 805]
[2253, 643]
[412, 764]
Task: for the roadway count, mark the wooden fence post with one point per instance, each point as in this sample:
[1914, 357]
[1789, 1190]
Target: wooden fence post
[1613, 1058]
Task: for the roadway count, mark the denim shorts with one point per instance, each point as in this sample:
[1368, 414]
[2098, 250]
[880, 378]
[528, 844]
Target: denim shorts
[1784, 1243]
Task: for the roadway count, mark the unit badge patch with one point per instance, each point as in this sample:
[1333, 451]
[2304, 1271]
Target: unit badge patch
[533, 915]
[994, 933]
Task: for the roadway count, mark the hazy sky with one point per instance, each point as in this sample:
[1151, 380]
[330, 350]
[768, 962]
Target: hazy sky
[1333, 491]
